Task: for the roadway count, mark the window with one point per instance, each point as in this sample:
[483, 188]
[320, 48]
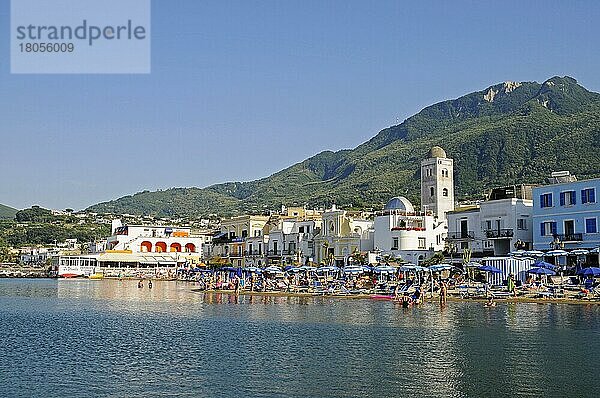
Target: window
[445, 192]
[249, 248]
[546, 200]
[591, 226]
[522, 224]
[421, 243]
[232, 235]
[308, 229]
[431, 191]
[548, 228]
[394, 243]
[488, 225]
[569, 227]
[301, 230]
[568, 198]
[464, 245]
[245, 233]
[444, 173]
[588, 195]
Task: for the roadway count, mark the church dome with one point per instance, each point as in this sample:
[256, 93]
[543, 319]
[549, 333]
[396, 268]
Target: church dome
[400, 203]
[437, 152]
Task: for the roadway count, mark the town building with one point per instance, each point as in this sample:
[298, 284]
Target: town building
[437, 183]
[229, 245]
[155, 239]
[566, 213]
[496, 226]
[405, 233]
[341, 236]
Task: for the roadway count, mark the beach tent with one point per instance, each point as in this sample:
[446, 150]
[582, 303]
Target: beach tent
[517, 266]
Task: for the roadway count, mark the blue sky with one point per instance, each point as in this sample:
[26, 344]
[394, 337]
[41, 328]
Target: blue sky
[240, 90]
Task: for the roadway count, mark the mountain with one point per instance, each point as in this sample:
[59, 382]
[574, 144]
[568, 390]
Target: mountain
[508, 133]
[7, 213]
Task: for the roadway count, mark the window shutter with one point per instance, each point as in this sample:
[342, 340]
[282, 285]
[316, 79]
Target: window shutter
[549, 200]
[584, 196]
[592, 196]
[543, 229]
[542, 202]
[553, 227]
[562, 198]
[573, 197]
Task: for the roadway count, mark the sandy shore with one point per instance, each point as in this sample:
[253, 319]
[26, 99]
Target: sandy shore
[434, 299]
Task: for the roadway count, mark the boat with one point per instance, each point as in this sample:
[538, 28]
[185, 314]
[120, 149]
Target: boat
[74, 271]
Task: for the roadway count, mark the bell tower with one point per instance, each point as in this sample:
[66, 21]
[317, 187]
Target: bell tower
[437, 183]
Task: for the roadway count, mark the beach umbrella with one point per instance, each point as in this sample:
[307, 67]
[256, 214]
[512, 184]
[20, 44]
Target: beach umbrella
[541, 271]
[384, 269]
[543, 264]
[518, 253]
[308, 268]
[253, 269]
[556, 253]
[272, 270]
[491, 269]
[354, 270]
[534, 253]
[440, 267]
[595, 251]
[329, 268]
[472, 264]
[590, 271]
[579, 252]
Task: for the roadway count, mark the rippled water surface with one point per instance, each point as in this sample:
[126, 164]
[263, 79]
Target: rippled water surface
[80, 338]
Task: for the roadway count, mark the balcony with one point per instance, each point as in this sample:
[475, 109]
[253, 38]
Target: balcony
[505, 233]
[274, 253]
[568, 237]
[462, 235]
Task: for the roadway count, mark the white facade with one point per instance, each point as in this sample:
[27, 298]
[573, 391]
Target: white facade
[156, 239]
[497, 226]
[341, 236]
[437, 183]
[403, 233]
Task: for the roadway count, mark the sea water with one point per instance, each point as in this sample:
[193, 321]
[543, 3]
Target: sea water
[109, 338]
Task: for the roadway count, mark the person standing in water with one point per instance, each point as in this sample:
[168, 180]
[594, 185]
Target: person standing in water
[511, 285]
[236, 284]
[149, 284]
[443, 292]
[140, 284]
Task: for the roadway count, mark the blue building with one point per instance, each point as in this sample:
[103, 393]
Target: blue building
[566, 214]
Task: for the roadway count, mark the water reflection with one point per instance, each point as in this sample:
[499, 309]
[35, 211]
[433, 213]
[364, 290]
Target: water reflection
[110, 338]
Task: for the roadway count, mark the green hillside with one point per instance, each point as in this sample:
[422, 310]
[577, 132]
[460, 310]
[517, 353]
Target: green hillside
[7, 213]
[507, 133]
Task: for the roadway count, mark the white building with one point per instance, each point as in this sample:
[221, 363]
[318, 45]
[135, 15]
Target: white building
[341, 236]
[497, 226]
[403, 233]
[411, 235]
[437, 183]
[155, 239]
[292, 241]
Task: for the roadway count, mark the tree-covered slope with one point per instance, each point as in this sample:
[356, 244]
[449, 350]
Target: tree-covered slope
[507, 133]
[7, 213]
